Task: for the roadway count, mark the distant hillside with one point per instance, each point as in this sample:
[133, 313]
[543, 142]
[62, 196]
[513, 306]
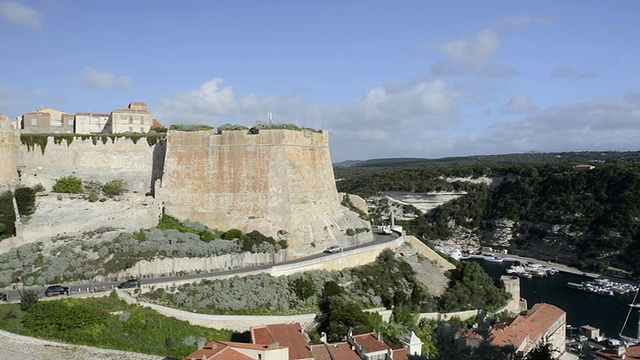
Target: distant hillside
[535, 158]
[589, 219]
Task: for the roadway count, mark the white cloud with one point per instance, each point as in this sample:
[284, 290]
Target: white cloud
[18, 14]
[473, 54]
[567, 72]
[520, 104]
[102, 81]
[519, 22]
[381, 107]
[476, 53]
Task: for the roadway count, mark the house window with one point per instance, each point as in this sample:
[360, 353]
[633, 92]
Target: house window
[141, 120]
[141, 129]
[130, 129]
[34, 122]
[130, 121]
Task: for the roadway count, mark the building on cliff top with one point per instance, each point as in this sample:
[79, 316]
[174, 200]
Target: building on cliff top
[134, 119]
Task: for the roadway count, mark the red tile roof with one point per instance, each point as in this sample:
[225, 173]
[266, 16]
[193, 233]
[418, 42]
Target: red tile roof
[399, 354]
[342, 351]
[289, 335]
[544, 314]
[527, 329]
[320, 352]
[216, 350]
[370, 342]
[521, 330]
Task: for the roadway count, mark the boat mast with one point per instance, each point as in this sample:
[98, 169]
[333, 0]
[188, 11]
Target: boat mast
[632, 306]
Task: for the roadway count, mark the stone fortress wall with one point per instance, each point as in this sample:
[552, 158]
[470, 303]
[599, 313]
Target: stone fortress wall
[120, 158]
[9, 140]
[279, 182]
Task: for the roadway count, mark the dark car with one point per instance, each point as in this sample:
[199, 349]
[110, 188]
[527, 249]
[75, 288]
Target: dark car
[129, 284]
[4, 297]
[333, 249]
[54, 290]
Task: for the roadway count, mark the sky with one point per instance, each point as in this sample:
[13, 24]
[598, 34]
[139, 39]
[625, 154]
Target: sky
[423, 79]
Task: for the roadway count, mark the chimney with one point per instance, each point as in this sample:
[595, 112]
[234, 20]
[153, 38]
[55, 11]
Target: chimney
[380, 337]
[621, 352]
[323, 337]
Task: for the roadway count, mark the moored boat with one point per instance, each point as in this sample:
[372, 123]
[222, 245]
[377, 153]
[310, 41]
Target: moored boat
[493, 259]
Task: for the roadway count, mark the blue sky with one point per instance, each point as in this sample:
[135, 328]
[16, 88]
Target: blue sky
[425, 79]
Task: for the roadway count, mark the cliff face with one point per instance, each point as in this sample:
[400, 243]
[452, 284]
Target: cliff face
[279, 182]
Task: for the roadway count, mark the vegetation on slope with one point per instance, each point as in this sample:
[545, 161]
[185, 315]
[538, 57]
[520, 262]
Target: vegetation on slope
[108, 323]
[594, 213]
[388, 282]
[101, 252]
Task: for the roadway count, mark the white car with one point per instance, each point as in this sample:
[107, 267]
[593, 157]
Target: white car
[333, 249]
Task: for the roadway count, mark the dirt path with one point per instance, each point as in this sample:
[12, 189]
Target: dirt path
[18, 347]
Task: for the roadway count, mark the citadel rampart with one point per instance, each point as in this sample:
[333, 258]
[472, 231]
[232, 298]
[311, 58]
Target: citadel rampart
[119, 158]
[279, 182]
[8, 149]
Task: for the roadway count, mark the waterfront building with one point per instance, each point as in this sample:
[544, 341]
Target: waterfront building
[543, 322]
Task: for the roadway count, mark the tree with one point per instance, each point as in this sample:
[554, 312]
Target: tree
[115, 188]
[29, 298]
[69, 185]
[544, 350]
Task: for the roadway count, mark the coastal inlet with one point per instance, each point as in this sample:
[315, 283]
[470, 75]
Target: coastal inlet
[607, 313]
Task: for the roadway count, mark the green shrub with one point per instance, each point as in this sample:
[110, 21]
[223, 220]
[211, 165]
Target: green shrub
[39, 188]
[69, 185]
[93, 197]
[115, 187]
[232, 234]
[26, 200]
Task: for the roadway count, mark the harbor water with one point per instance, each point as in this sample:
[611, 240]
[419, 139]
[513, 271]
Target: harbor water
[607, 313]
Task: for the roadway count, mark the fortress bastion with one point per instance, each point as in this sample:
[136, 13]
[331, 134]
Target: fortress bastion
[279, 182]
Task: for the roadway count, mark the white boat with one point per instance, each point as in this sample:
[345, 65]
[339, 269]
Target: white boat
[496, 259]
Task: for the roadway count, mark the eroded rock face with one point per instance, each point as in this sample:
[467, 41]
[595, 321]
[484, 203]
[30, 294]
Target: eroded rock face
[502, 233]
[279, 182]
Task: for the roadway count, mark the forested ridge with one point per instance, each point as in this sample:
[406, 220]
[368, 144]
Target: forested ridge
[584, 218]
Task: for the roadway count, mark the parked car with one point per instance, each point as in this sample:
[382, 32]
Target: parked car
[4, 297]
[333, 249]
[54, 290]
[129, 284]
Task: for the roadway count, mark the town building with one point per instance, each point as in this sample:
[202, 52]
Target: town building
[89, 123]
[134, 119]
[289, 342]
[46, 120]
[543, 322]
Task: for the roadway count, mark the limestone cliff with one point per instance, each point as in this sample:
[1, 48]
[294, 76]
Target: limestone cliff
[279, 182]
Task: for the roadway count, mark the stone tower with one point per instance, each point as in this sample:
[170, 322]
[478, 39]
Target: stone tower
[278, 182]
[512, 286]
